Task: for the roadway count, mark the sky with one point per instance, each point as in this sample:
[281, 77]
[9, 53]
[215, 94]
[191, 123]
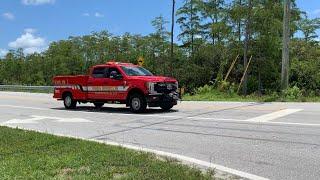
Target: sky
[33, 24]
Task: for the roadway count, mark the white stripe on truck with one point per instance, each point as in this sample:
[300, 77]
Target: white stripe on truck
[95, 88]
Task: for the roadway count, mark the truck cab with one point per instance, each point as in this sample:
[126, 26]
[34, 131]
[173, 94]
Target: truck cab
[114, 82]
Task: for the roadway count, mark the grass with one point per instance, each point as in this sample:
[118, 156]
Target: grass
[32, 155]
[216, 95]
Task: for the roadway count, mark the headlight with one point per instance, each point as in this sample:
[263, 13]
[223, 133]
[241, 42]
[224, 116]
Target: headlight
[150, 87]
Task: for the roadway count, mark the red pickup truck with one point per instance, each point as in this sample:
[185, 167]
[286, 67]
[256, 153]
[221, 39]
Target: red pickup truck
[121, 83]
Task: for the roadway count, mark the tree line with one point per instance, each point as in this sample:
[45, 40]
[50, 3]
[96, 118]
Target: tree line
[213, 34]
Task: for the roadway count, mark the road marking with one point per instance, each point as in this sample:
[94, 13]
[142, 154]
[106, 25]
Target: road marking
[253, 120]
[65, 120]
[183, 159]
[274, 115]
[289, 123]
[36, 119]
[216, 119]
[24, 107]
[32, 120]
[122, 114]
[188, 160]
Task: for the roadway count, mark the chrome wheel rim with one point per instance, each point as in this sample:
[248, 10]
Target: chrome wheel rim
[136, 103]
[68, 101]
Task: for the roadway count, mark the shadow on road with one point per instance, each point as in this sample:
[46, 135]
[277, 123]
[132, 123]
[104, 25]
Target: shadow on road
[118, 110]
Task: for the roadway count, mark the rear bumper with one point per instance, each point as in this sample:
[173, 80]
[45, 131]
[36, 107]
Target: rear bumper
[157, 100]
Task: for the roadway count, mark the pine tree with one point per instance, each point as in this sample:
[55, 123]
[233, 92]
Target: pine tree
[189, 20]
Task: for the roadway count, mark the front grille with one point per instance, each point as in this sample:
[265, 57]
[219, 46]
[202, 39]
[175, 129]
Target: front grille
[165, 87]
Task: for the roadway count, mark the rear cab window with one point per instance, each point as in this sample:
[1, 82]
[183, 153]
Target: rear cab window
[100, 72]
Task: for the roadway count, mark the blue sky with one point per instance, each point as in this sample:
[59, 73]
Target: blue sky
[33, 24]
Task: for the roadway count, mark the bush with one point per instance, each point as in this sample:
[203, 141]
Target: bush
[274, 96]
[293, 93]
[227, 87]
[204, 90]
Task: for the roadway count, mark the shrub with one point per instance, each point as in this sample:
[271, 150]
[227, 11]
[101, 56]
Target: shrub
[204, 90]
[227, 87]
[293, 93]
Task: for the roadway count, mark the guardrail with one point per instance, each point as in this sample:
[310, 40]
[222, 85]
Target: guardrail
[20, 88]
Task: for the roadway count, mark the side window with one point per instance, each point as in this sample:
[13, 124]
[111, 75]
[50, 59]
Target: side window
[99, 72]
[113, 72]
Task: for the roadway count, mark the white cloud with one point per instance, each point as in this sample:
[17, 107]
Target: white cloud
[29, 42]
[8, 16]
[86, 14]
[3, 52]
[37, 2]
[98, 15]
[30, 30]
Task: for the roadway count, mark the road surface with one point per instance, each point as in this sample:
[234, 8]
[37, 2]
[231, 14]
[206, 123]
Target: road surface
[270, 140]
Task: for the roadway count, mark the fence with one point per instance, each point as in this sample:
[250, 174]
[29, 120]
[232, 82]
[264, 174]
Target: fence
[43, 89]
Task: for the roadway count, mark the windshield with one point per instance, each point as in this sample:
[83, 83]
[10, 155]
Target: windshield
[136, 71]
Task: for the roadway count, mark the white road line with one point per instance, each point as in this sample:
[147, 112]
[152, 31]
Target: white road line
[274, 115]
[217, 119]
[65, 120]
[253, 120]
[183, 159]
[37, 119]
[32, 120]
[24, 107]
[292, 123]
[189, 160]
[122, 114]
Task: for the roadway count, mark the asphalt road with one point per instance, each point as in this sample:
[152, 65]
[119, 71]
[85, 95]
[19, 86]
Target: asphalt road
[271, 140]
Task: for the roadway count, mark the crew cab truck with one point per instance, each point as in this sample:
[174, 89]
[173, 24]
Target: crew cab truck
[114, 82]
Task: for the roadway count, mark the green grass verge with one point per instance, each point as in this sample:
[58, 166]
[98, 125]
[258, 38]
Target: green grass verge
[215, 95]
[32, 155]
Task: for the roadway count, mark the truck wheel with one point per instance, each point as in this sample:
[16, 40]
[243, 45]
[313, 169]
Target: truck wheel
[166, 106]
[138, 103]
[98, 105]
[68, 101]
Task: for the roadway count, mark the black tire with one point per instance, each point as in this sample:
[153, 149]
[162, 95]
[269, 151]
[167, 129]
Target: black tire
[69, 102]
[138, 103]
[166, 106]
[98, 105]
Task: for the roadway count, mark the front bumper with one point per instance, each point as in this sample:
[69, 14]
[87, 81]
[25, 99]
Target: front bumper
[155, 100]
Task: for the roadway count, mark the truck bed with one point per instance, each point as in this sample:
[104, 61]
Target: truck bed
[81, 80]
[76, 84]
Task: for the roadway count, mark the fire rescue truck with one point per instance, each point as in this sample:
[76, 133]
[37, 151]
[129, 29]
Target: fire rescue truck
[114, 82]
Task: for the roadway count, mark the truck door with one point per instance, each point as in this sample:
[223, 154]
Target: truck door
[96, 84]
[116, 84]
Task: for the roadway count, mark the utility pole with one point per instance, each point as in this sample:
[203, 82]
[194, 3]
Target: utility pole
[246, 47]
[285, 49]
[172, 33]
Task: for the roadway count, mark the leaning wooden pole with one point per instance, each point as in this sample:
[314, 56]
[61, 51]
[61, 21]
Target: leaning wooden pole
[231, 67]
[244, 74]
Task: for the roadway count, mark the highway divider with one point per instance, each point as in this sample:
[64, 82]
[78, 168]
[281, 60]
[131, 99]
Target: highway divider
[22, 88]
